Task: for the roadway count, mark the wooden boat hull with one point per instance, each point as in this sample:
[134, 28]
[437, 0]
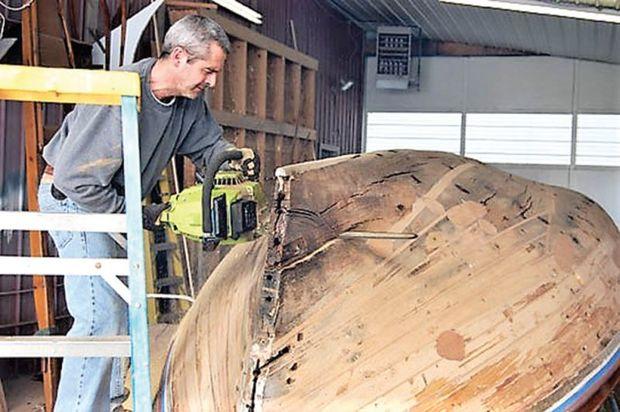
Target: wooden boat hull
[506, 296]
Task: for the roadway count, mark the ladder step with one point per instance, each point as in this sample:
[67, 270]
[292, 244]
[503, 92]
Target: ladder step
[70, 222]
[18, 265]
[164, 247]
[64, 346]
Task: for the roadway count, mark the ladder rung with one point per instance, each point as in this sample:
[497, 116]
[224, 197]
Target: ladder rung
[64, 346]
[17, 265]
[71, 222]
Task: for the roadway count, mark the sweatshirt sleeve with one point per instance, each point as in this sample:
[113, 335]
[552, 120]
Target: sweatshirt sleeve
[91, 156]
[204, 140]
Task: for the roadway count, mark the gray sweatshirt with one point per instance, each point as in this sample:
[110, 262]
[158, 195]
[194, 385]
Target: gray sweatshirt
[86, 152]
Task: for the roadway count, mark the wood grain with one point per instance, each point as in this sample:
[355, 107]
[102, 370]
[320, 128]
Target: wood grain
[505, 299]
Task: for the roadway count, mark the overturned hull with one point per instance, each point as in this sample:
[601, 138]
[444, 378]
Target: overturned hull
[405, 279]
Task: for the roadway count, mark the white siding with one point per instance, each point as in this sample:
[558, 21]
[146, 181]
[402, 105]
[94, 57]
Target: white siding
[598, 140]
[419, 131]
[519, 138]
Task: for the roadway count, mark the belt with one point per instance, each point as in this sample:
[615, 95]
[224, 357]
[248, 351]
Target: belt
[48, 177]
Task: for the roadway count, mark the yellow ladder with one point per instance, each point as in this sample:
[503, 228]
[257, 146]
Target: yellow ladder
[88, 87]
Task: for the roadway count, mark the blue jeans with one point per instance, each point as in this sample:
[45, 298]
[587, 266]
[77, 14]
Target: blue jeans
[87, 384]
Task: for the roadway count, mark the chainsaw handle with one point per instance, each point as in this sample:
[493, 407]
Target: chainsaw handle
[209, 180]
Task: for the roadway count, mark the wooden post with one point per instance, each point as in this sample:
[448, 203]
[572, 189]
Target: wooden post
[308, 79]
[257, 95]
[235, 86]
[275, 96]
[103, 6]
[123, 31]
[293, 92]
[61, 14]
[33, 131]
[217, 94]
[308, 110]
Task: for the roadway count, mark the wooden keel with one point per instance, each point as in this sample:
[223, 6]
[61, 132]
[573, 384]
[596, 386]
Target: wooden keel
[506, 298]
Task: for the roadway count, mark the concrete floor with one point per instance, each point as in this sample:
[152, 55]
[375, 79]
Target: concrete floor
[24, 394]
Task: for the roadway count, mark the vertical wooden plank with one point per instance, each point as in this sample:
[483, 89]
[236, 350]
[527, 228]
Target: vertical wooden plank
[33, 131]
[235, 85]
[293, 92]
[257, 82]
[269, 165]
[275, 96]
[216, 101]
[308, 97]
[257, 97]
[275, 88]
[189, 173]
[293, 110]
[103, 6]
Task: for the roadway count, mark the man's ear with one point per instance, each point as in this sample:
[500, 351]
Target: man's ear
[178, 56]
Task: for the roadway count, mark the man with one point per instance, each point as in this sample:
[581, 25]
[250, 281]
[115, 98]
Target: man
[84, 175]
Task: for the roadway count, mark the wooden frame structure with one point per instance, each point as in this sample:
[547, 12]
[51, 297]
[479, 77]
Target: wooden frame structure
[265, 98]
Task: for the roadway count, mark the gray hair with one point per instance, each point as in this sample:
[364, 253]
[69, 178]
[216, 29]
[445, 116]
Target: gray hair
[194, 33]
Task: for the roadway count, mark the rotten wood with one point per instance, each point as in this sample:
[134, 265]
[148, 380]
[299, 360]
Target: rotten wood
[505, 299]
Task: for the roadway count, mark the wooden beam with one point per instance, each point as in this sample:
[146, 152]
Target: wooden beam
[37, 84]
[275, 95]
[308, 113]
[262, 125]
[275, 88]
[235, 84]
[257, 97]
[67, 36]
[254, 38]
[190, 5]
[123, 31]
[257, 82]
[103, 6]
[32, 114]
[293, 92]
[215, 96]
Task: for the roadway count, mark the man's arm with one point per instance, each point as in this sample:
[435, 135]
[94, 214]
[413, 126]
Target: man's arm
[89, 159]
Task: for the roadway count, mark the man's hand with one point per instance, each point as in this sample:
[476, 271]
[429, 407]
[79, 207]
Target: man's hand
[249, 164]
[150, 214]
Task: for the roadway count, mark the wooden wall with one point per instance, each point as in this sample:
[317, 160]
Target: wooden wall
[325, 35]
[264, 98]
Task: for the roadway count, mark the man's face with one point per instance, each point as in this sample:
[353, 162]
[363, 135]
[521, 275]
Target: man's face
[198, 72]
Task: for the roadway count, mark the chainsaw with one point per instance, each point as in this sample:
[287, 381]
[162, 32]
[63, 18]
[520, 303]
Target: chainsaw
[231, 203]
